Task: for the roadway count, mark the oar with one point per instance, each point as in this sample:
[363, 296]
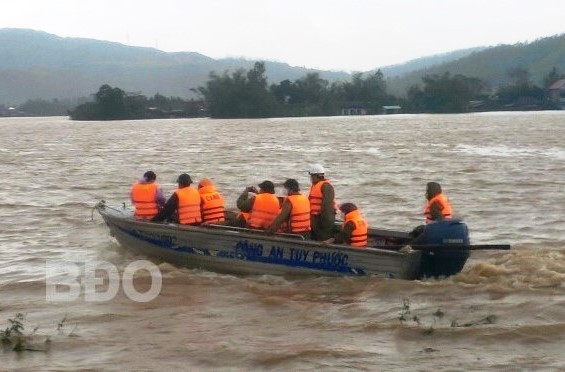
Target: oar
[447, 247]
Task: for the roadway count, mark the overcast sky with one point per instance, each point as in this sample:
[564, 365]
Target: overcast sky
[354, 35]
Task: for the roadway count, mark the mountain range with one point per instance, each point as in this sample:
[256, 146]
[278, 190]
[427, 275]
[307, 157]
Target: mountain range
[493, 64]
[36, 64]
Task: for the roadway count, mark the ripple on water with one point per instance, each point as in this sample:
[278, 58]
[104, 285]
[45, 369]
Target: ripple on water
[502, 174]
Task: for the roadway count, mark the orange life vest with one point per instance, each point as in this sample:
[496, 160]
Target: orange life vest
[444, 206]
[266, 208]
[359, 235]
[213, 204]
[189, 206]
[144, 198]
[299, 220]
[315, 198]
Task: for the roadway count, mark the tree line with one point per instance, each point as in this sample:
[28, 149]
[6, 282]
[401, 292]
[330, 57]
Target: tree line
[247, 94]
[112, 103]
[242, 94]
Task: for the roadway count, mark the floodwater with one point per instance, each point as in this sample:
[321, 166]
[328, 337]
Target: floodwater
[503, 172]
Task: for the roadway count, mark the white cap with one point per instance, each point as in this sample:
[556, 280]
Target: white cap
[316, 169]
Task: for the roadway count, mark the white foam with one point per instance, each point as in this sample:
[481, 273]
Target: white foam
[506, 151]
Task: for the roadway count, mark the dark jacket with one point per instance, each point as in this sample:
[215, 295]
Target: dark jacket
[344, 235]
[245, 201]
[168, 210]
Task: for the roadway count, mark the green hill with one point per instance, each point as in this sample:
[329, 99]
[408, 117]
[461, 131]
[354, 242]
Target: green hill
[426, 62]
[493, 64]
[35, 64]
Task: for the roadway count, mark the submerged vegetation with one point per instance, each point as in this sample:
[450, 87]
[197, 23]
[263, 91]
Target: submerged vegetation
[16, 339]
[407, 316]
[13, 335]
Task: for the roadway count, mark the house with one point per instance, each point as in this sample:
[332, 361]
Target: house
[353, 108]
[11, 112]
[391, 110]
[557, 92]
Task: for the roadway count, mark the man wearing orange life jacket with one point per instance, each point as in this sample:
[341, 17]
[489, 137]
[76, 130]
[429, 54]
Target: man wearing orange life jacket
[185, 201]
[438, 206]
[295, 210]
[322, 204]
[146, 196]
[261, 208]
[211, 201]
[354, 229]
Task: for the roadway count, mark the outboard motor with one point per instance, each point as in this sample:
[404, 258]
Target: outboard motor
[443, 260]
[445, 232]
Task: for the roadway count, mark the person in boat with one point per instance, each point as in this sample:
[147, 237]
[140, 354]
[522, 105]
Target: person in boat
[295, 211]
[440, 229]
[183, 205]
[259, 208]
[212, 203]
[146, 196]
[322, 204]
[437, 207]
[354, 229]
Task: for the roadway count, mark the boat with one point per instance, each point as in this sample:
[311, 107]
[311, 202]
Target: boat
[236, 250]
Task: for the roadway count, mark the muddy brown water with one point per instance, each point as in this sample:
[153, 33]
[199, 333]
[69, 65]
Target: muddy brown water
[503, 172]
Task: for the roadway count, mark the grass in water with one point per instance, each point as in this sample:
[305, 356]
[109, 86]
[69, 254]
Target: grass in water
[13, 334]
[407, 314]
[15, 338]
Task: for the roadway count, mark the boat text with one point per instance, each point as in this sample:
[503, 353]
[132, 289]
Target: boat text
[250, 250]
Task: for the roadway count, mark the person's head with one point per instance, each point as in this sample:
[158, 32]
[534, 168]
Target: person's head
[149, 176]
[291, 185]
[184, 180]
[205, 182]
[432, 189]
[346, 208]
[316, 172]
[267, 187]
